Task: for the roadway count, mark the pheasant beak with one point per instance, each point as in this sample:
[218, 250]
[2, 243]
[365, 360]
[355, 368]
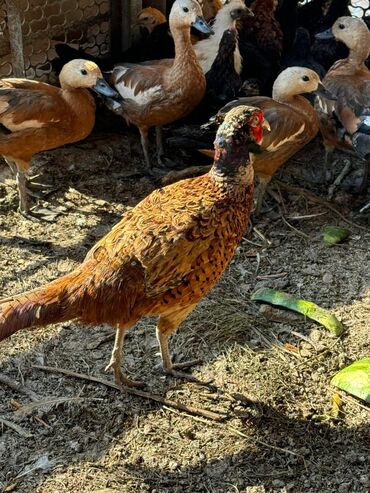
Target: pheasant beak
[266, 126]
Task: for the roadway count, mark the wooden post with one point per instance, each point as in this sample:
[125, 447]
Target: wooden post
[130, 9]
[14, 22]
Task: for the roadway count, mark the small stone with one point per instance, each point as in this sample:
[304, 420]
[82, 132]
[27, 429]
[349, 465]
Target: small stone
[315, 335]
[327, 278]
[315, 377]
[75, 445]
[277, 483]
[344, 487]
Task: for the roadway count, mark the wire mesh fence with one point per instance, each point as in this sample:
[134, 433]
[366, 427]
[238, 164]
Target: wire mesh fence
[39, 24]
[29, 30]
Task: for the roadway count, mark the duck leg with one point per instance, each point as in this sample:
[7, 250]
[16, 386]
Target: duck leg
[21, 181]
[145, 145]
[365, 176]
[167, 324]
[115, 360]
[328, 165]
[159, 143]
[13, 167]
[260, 193]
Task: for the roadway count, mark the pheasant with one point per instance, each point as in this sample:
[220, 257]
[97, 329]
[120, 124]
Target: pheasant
[162, 257]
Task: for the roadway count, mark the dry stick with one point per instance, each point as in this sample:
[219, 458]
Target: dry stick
[299, 233]
[313, 198]
[19, 406]
[348, 398]
[346, 169]
[21, 431]
[139, 393]
[19, 387]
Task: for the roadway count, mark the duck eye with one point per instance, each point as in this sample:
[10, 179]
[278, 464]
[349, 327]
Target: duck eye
[84, 72]
[341, 26]
[305, 78]
[185, 9]
[145, 18]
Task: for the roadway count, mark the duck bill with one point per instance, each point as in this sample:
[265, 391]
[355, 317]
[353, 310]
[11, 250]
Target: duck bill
[328, 34]
[102, 87]
[202, 26]
[322, 91]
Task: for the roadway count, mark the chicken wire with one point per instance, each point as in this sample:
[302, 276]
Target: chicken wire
[29, 30]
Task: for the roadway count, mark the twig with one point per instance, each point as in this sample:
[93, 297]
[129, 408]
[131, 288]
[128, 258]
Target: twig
[52, 401]
[272, 276]
[19, 387]
[307, 216]
[346, 169]
[350, 399]
[262, 236]
[18, 406]
[317, 200]
[21, 431]
[137, 392]
[299, 233]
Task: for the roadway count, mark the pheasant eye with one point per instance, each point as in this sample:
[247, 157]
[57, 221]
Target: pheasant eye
[185, 9]
[84, 72]
[341, 26]
[305, 78]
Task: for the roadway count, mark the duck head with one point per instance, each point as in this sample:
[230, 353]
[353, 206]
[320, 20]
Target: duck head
[352, 31]
[188, 13]
[298, 80]
[81, 73]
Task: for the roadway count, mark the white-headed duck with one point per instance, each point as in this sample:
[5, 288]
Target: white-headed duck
[293, 123]
[39, 116]
[345, 122]
[159, 92]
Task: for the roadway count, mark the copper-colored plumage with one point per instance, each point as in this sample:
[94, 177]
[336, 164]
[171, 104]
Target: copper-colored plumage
[292, 119]
[163, 256]
[345, 122]
[150, 17]
[41, 117]
[161, 91]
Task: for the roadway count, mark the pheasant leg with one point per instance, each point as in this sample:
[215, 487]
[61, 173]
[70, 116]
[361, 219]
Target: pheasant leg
[166, 326]
[115, 361]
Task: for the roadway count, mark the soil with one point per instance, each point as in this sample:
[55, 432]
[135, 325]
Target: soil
[282, 431]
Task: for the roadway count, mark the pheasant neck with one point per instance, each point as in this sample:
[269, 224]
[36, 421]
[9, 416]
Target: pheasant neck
[232, 166]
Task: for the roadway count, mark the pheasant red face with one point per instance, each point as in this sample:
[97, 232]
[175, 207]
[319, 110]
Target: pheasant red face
[257, 125]
[242, 124]
[241, 130]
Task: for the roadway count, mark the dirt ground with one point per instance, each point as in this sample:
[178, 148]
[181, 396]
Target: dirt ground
[270, 379]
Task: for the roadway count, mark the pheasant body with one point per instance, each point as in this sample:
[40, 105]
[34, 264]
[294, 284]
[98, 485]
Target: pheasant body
[160, 259]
